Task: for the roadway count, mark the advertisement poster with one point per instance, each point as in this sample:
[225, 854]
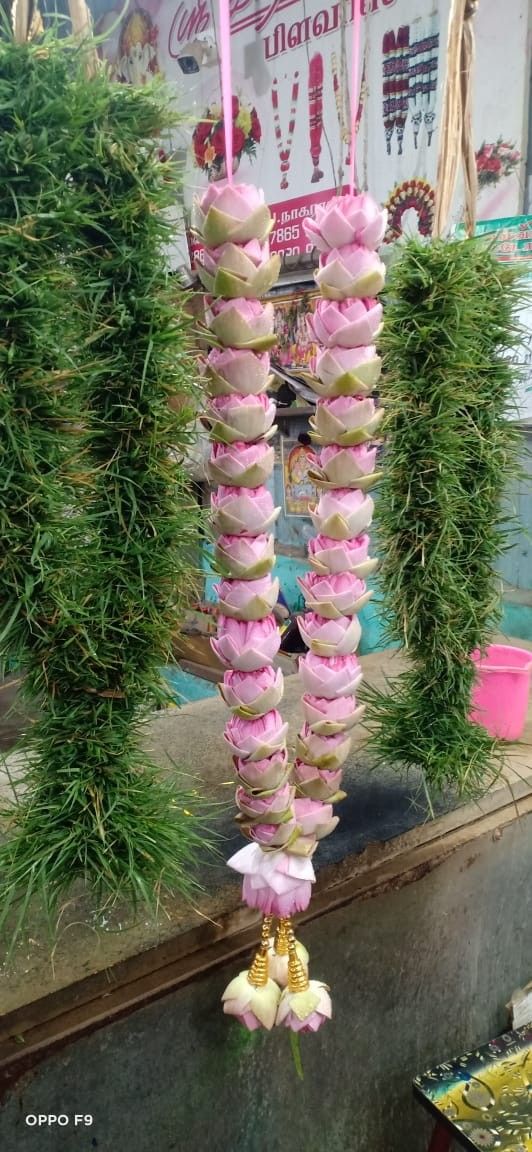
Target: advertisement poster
[295, 349]
[292, 105]
[297, 460]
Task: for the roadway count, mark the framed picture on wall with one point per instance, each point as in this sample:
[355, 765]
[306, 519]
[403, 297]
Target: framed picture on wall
[298, 490]
[295, 349]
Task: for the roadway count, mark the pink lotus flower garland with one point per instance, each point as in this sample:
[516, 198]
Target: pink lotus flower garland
[345, 325]
[283, 829]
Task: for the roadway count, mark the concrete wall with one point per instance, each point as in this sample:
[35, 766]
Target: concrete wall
[417, 975]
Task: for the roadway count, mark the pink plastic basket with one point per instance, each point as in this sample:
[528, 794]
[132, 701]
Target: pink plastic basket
[500, 694]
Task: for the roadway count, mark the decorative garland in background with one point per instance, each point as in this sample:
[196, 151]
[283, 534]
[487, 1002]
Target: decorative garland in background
[284, 148]
[315, 109]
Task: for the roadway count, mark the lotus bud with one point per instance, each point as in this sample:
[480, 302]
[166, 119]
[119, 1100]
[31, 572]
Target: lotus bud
[240, 418]
[340, 594]
[272, 809]
[247, 599]
[327, 717]
[246, 645]
[345, 420]
[245, 557]
[347, 371]
[263, 775]
[252, 693]
[345, 323]
[243, 512]
[229, 370]
[328, 555]
[350, 271]
[321, 784]
[349, 219]
[348, 467]
[242, 324]
[232, 212]
[328, 752]
[241, 465]
[239, 271]
[315, 819]
[330, 637]
[329, 678]
[342, 513]
[258, 737]
[254, 1007]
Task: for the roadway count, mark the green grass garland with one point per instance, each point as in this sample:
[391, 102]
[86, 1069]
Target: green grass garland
[99, 524]
[449, 390]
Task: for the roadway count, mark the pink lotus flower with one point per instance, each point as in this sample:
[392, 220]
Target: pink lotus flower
[319, 783]
[253, 1007]
[345, 421]
[278, 965]
[345, 323]
[246, 645]
[349, 219]
[305, 1011]
[253, 693]
[323, 751]
[264, 775]
[238, 417]
[247, 599]
[241, 465]
[315, 819]
[256, 738]
[342, 513]
[241, 512]
[234, 212]
[242, 324]
[237, 271]
[273, 809]
[229, 370]
[350, 271]
[328, 679]
[337, 637]
[328, 555]
[245, 557]
[276, 883]
[271, 835]
[327, 717]
[347, 371]
[340, 594]
[347, 467]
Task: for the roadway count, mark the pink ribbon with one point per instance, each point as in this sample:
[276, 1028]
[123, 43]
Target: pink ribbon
[227, 93]
[355, 90]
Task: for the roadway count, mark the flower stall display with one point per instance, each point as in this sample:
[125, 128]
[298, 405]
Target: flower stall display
[208, 138]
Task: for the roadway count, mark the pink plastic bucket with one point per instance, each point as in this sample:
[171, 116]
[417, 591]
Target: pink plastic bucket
[500, 694]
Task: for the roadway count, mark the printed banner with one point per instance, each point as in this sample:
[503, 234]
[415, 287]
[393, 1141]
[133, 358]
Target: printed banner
[293, 108]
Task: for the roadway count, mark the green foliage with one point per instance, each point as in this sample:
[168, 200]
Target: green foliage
[99, 527]
[448, 388]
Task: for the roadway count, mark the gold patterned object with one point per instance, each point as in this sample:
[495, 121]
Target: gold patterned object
[258, 973]
[485, 1096]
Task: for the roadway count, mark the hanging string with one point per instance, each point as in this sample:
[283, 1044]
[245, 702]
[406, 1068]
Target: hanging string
[227, 93]
[355, 91]
[456, 135]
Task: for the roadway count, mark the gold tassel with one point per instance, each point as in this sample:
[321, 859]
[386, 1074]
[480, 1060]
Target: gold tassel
[258, 973]
[297, 977]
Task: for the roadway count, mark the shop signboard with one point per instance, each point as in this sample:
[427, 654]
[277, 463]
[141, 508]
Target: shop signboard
[293, 106]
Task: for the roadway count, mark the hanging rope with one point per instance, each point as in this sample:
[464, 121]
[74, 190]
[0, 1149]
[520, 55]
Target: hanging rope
[227, 94]
[456, 139]
[355, 92]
